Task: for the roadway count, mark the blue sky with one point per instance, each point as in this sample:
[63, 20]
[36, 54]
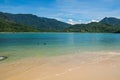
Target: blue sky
[71, 11]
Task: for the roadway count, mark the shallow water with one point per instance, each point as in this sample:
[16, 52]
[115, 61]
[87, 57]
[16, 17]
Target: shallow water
[21, 45]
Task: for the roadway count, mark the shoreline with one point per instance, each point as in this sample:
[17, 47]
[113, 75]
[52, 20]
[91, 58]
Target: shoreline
[65, 32]
[75, 66]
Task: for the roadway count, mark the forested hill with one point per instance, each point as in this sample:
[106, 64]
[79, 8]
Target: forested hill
[40, 23]
[106, 25]
[32, 23]
[111, 20]
[7, 26]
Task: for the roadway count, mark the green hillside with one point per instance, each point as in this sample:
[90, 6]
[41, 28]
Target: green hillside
[94, 27]
[32, 23]
[111, 20]
[6, 26]
[40, 23]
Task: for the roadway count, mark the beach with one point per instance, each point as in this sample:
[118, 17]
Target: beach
[59, 40]
[59, 56]
[100, 66]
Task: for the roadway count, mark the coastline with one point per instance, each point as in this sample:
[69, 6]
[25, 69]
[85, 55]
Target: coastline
[103, 66]
[64, 32]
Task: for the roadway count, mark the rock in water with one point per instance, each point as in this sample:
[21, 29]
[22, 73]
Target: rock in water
[3, 58]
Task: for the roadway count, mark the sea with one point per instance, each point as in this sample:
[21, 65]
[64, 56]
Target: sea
[17, 46]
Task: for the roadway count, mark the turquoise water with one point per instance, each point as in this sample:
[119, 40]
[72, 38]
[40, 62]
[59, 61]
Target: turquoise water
[19, 45]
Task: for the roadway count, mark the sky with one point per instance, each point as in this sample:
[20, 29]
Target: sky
[70, 11]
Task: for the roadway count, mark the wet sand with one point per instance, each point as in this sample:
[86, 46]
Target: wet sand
[103, 66]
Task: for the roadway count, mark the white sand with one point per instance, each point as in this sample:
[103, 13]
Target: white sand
[104, 66]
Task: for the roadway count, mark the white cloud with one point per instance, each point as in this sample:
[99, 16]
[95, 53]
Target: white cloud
[94, 20]
[71, 21]
[71, 11]
[87, 10]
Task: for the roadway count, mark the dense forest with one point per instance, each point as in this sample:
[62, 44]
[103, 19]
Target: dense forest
[32, 23]
[39, 23]
[111, 20]
[94, 27]
[7, 26]
[106, 25]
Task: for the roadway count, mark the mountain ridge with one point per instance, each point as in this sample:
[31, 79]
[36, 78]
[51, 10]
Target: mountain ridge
[40, 23]
[111, 20]
[106, 25]
[17, 22]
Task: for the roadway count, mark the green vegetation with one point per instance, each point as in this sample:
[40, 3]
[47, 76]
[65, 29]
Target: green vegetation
[39, 23]
[6, 26]
[93, 27]
[32, 23]
[107, 25]
[111, 20]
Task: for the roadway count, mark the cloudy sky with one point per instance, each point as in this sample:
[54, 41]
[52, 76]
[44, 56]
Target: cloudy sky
[71, 11]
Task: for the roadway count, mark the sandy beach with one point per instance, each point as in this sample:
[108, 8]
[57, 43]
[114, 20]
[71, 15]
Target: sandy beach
[104, 66]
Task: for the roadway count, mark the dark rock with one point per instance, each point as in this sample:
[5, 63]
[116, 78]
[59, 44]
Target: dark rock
[3, 58]
[45, 43]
